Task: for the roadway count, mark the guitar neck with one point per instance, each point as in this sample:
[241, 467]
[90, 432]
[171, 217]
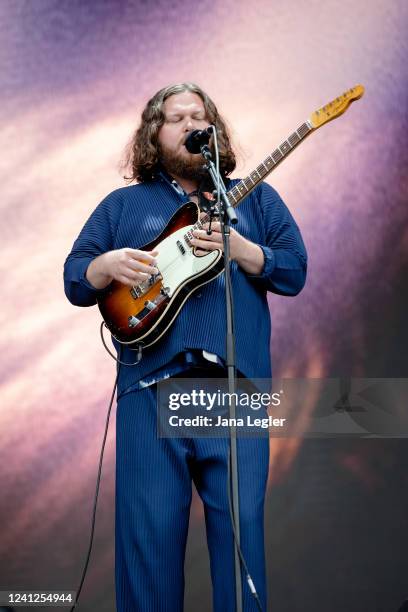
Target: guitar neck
[248, 184]
[323, 115]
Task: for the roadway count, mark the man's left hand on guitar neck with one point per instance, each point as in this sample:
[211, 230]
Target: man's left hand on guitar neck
[248, 255]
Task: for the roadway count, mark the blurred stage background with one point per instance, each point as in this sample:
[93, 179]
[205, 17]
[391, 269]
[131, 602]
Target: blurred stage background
[74, 77]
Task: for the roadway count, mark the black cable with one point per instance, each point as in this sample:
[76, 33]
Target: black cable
[118, 361]
[96, 492]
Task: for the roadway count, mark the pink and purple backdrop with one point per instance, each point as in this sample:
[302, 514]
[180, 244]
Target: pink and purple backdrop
[74, 78]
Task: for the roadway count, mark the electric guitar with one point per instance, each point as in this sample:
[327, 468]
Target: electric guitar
[141, 314]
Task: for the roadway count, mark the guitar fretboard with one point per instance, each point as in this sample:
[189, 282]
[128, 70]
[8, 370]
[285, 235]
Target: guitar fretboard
[246, 185]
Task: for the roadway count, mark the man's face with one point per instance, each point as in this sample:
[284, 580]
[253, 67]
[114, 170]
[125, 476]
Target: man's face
[183, 113]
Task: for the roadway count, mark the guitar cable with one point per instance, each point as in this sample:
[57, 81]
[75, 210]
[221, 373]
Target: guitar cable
[98, 480]
[118, 360]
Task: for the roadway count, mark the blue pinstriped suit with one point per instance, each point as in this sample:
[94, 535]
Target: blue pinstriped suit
[153, 487]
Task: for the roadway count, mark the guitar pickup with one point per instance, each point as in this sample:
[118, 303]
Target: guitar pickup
[181, 248]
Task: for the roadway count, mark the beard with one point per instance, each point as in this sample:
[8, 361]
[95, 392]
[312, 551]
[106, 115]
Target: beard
[187, 166]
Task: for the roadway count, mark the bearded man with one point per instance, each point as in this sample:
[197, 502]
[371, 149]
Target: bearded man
[154, 475]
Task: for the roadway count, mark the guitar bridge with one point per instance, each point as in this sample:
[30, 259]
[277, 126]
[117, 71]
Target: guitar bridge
[138, 290]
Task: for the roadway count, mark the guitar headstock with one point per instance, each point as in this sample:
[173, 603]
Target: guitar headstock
[336, 107]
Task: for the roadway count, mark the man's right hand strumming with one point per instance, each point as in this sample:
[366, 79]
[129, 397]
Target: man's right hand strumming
[128, 266]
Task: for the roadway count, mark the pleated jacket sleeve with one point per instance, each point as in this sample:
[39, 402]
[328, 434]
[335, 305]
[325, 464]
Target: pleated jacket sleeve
[285, 266]
[96, 237]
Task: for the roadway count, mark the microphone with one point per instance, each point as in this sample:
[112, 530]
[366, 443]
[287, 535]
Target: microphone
[197, 138]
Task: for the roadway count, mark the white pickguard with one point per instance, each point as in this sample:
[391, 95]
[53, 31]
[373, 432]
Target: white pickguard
[177, 267]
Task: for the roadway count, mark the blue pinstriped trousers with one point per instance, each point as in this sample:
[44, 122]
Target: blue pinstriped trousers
[153, 495]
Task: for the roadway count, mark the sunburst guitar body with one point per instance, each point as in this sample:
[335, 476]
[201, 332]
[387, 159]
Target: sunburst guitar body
[142, 314]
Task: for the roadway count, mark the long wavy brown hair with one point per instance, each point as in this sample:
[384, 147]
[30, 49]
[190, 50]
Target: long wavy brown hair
[142, 155]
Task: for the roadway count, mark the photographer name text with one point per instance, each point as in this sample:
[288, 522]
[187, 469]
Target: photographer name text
[205, 421]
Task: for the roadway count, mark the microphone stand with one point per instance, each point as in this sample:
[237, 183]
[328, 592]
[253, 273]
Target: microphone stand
[227, 216]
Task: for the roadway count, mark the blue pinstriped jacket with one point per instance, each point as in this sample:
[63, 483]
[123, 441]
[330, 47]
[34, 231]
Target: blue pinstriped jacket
[133, 216]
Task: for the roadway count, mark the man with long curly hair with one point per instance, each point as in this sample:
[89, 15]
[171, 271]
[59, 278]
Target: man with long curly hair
[154, 475]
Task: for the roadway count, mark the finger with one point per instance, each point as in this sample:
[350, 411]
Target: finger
[200, 252]
[207, 245]
[137, 276]
[135, 270]
[125, 281]
[215, 226]
[147, 269]
[202, 235]
[131, 281]
[138, 266]
[142, 255]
